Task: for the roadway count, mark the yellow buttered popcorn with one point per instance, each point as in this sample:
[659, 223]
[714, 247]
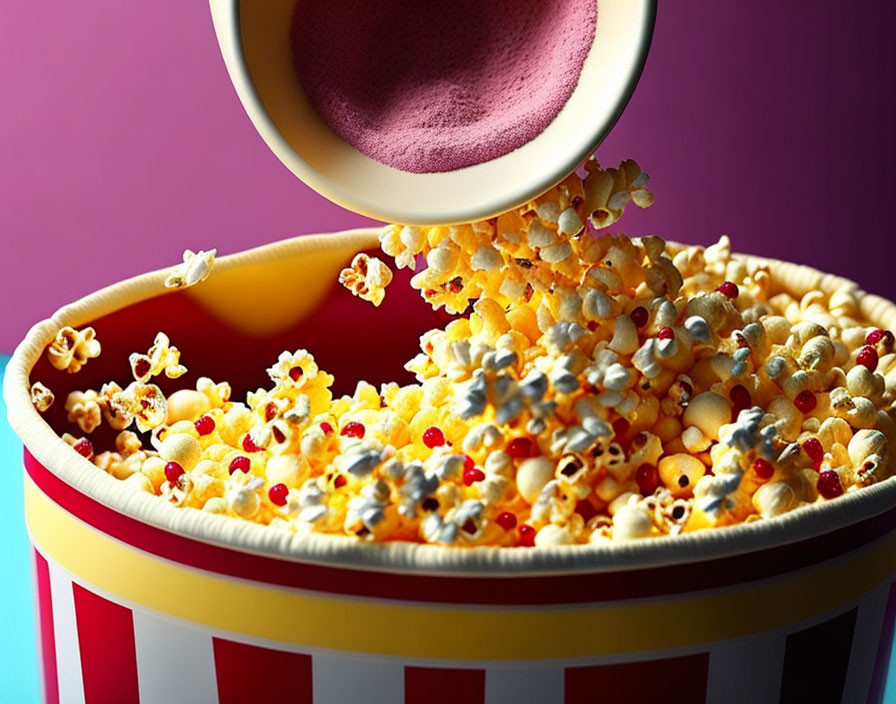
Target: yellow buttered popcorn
[601, 388]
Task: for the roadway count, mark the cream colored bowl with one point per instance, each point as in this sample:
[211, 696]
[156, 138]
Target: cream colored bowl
[254, 40]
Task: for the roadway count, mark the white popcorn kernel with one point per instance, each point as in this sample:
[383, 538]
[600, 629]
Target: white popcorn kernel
[486, 259]
[617, 377]
[186, 404]
[556, 253]
[531, 477]
[549, 212]
[569, 223]
[596, 305]
[553, 535]
[631, 521]
[708, 411]
[773, 499]
[625, 336]
[694, 440]
[540, 236]
[864, 443]
[195, 268]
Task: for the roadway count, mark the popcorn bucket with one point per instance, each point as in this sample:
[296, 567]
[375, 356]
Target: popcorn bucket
[140, 601]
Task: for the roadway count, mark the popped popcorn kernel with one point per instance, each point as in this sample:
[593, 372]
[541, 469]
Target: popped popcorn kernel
[367, 278]
[195, 268]
[71, 349]
[161, 357]
[595, 388]
[41, 397]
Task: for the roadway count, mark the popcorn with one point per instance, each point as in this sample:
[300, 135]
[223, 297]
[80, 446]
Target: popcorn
[600, 388]
[83, 408]
[72, 349]
[41, 397]
[195, 268]
[367, 278]
[162, 357]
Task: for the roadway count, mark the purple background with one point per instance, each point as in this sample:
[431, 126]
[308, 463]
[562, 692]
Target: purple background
[122, 142]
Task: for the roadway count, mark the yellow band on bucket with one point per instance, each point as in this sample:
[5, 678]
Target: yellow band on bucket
[448, 631]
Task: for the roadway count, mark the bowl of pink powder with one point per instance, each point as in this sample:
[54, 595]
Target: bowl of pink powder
[433, 113]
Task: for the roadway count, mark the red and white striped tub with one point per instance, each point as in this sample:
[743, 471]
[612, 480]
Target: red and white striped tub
[141, 602]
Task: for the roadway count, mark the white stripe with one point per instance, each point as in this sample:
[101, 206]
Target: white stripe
[39, 636]
[65, 629]
[869, 621]
[530, 684]
[175, 663]
[748, 672]
[337, 680]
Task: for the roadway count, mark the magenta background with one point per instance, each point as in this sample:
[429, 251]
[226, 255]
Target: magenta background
[122, 142]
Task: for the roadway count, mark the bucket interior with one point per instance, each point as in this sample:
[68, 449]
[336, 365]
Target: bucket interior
[348, 336]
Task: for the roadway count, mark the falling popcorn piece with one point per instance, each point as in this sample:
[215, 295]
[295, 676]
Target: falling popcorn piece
[41, 396]
[162, 357]
[195, 268]
[367, 278]
[72, 348]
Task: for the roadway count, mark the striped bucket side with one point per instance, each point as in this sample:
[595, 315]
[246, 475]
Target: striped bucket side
[97, 650]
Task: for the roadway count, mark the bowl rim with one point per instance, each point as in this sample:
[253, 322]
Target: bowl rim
[330, 550]
[439, 198]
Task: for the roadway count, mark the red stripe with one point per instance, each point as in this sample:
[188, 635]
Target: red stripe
[248, 673]
[106, 643]
[45, 627]
[679, 680]
[436, 685]
[514, 590]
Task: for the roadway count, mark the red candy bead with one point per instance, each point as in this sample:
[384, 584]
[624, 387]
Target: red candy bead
[829, 484]
[867, 357]
[639, 316]
[433, 437]
[763, 469]
[84, 448]
[814, 449]
[519, 448]
[471, 476]
[740, 399]
[586, 510]
[805, 401]
[241, 464]
[666, 334]
[326, 427]
[648, 478]
[250, 446]
[205, 425]
[173, 472]
[277, 494]
[527, 535]
[506, 520]
[340, 482]
[620, 428]
[468, 463]
[354, 430]
[729, 289]
[875, 336]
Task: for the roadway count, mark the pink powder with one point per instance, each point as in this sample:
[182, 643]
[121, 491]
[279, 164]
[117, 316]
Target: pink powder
[439, 85]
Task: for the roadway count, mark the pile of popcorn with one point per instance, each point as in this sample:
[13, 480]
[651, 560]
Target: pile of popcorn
[600, 388]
